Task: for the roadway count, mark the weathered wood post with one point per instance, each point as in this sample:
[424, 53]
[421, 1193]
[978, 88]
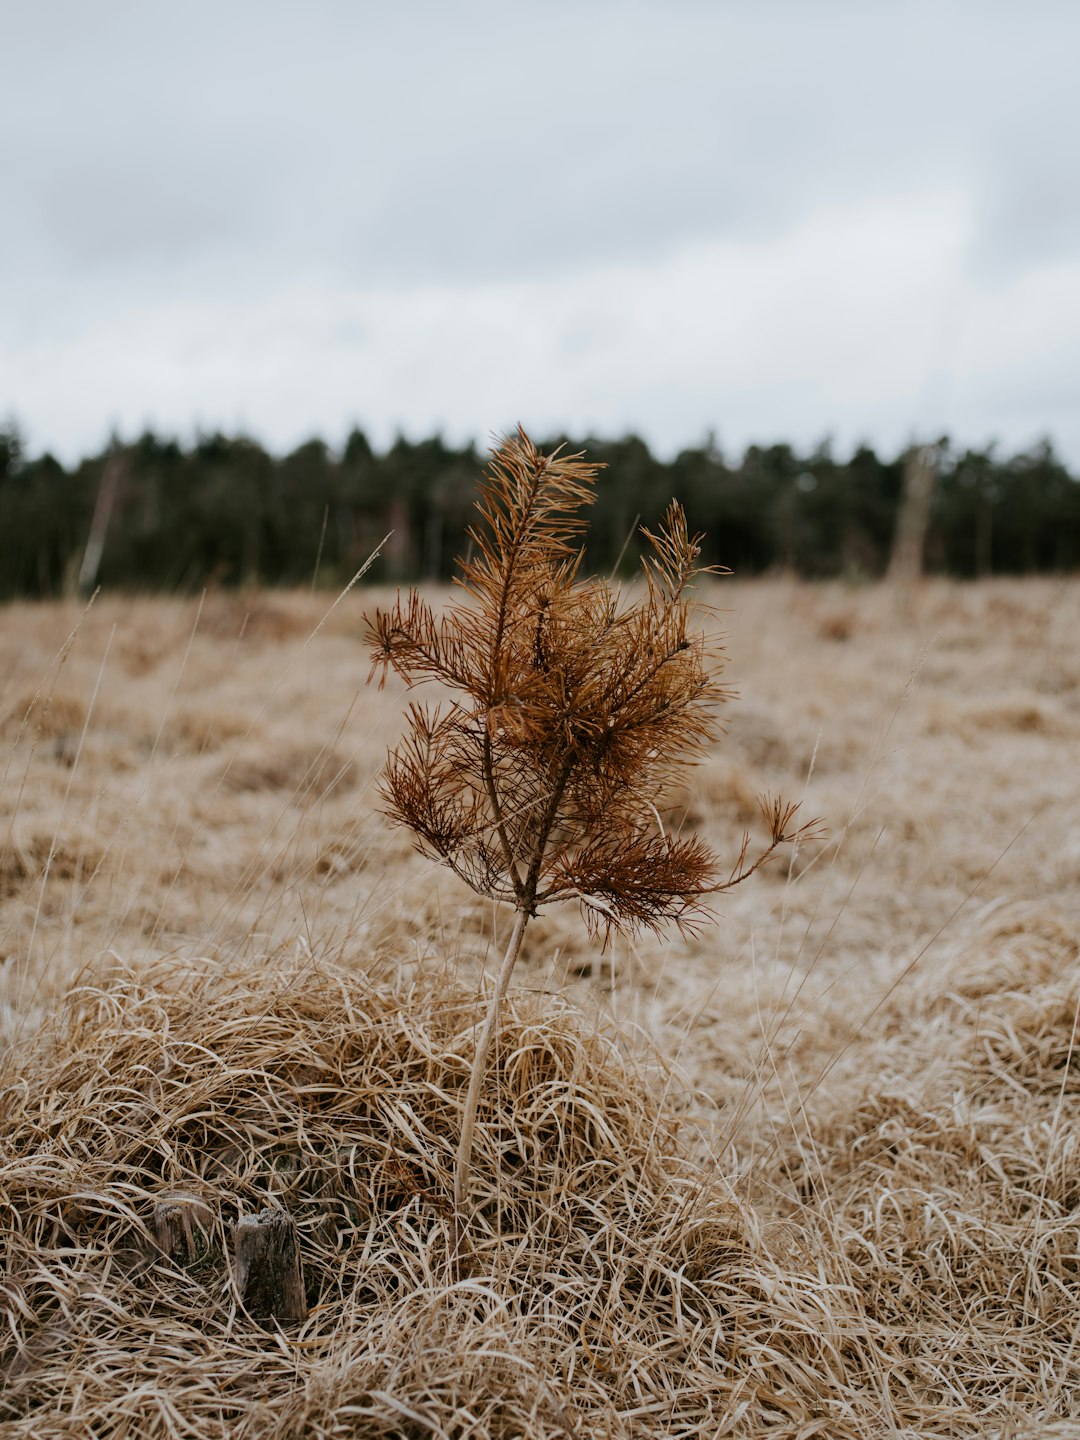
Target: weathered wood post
[266, 1266]
[180, 1220]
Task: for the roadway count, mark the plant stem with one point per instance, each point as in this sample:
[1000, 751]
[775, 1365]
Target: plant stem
[483, 1046]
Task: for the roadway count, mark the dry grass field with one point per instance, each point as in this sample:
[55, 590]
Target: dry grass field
[813, 1171]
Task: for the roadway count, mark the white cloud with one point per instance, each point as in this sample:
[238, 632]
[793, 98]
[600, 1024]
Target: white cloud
[860, 322]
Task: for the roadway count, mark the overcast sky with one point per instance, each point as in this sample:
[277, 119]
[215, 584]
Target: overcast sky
[768, 220]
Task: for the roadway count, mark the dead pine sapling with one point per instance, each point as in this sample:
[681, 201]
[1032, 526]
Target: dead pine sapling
[575, 709]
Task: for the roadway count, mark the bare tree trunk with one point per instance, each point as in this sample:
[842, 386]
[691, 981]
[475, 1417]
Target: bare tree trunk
[920, 473]
[111, 476]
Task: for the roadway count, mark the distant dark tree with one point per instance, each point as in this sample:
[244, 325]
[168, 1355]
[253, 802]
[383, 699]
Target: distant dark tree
[825, 505]
[719, 501]
[218, 514]
[963, 521]
[41, 521]
[303, 490]
[139, 546]
[876, 488]
[11, 450]
[362, 512]
[448, 512]
[1011, 516]
[224, 511]
[632, 483]
[1035, 513]
[410, 473]
[771, 473]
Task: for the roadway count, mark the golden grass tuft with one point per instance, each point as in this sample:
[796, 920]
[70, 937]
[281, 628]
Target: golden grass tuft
[299, 769]
[951, 1191]
[44, 715]
[611, 1284]
[35, 853]
[205, 728]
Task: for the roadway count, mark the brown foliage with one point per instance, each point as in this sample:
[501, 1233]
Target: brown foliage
[578, 710]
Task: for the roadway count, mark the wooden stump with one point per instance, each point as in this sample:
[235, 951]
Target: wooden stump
[180, 1218]
[267, 1270]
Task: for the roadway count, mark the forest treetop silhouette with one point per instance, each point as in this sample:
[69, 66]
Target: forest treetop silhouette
[223, 510]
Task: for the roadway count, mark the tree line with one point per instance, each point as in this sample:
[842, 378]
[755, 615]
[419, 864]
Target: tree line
[162, 515]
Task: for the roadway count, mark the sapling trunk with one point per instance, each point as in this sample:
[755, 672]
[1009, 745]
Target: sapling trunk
[463, 1166]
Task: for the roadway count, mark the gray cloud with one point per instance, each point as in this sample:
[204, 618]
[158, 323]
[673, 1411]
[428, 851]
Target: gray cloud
[215, 154]
[447, 141]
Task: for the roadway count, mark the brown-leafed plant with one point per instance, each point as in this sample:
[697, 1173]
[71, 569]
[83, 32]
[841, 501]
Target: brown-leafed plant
[576, 709]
